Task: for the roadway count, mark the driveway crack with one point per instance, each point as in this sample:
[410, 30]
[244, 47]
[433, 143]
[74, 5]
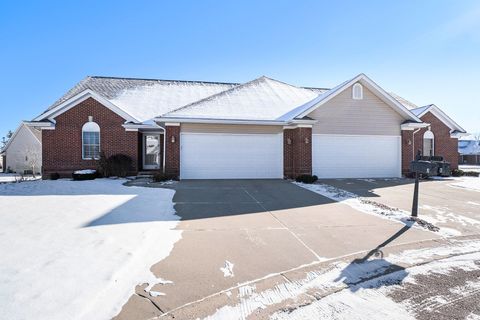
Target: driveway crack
[284, 225]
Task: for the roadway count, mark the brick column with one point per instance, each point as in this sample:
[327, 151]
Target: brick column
[407, 150]
[172, 150]
[297, 152]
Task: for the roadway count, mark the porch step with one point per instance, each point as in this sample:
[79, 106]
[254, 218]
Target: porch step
[145, 174]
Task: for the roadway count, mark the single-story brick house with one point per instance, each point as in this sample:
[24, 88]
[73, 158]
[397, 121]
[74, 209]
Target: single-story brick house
[260, 129]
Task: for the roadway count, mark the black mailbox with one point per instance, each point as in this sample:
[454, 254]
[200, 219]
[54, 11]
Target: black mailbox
[426, 168]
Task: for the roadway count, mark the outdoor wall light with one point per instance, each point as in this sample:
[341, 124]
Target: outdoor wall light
[307, 141]
[409, 142]
[173, 139]
[289, 141]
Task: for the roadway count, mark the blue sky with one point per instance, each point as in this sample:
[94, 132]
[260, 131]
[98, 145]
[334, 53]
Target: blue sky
[426, 51]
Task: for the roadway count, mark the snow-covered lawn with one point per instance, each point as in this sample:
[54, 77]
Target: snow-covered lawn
[13, 177]
[469, 183]
[77, 249]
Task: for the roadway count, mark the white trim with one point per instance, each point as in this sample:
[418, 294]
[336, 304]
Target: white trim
[229, 133]
[431, 136]
[360, 97]
[413, 125]
[172, 124]
[355, 135]
[442, 116]
[372, 86]
[99, 142]
[177, 121]
[144, 166]
[82, 96]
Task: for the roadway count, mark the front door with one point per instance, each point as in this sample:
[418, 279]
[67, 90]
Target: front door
[151, 151]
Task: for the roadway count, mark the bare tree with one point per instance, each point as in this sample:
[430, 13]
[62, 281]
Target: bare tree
[32, 159]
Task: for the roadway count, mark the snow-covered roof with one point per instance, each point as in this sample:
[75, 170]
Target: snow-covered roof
[407, 104]
[144, 99]
[260, 99]
[469, 147]
[420, 111]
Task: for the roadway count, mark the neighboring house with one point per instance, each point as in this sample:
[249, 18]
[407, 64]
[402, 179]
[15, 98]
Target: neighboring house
[208, 130]
[23, 152]
[469, 149]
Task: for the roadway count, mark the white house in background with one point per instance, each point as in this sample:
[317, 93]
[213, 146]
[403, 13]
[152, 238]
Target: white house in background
[23, 151]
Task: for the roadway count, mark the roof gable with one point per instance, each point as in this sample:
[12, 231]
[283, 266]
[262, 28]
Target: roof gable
[442, 116]
[308, 107]
[22, 126]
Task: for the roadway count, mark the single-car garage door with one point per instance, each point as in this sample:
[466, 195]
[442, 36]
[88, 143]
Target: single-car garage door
[344, 156]
[231, 156]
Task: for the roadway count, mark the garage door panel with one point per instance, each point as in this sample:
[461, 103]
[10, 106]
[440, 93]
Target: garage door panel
[337, 156]
[231, 156]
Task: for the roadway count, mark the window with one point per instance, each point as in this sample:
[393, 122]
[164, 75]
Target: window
[90, 141]
[428, 144]
[357, 91]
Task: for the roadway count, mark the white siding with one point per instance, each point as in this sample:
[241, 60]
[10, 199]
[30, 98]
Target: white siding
[24, 146]
[368, 116]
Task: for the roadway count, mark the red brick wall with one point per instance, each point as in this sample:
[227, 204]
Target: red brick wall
[297, 156]
[172, 150]
[407, 150]
[62, 147]
[444, 145]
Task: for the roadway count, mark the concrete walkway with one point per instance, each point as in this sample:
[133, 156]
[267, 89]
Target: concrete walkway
[261, 227]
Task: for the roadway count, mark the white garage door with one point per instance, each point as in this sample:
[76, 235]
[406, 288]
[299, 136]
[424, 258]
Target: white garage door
[231, 156]
[342, 156]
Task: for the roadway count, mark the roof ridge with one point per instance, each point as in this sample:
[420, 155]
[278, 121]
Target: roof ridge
[213, 96]
[162, 80]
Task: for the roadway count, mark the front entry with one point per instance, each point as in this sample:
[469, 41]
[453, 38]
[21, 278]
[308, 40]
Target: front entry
[151, 151]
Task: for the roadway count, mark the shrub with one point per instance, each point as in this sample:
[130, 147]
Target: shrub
[54, 176]
[160, 176]
[457, 173]
[117, 165]
[471, 173]
[306, 178]
[84, 175]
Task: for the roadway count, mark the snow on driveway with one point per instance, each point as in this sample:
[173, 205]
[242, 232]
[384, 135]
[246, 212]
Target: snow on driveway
[359, 289]
[380, 210]
[77, 249]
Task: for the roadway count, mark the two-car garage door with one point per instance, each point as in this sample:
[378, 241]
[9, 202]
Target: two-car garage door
[356, 156]
[231, 156]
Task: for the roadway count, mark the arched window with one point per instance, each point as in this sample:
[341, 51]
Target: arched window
[90, 141]
[428, 143]
[357, 91]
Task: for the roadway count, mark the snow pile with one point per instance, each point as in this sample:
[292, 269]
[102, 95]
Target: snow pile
[371, 207]
[469, 183]
[76, 250]
[13, 177]
[227, 269]
[86, 171]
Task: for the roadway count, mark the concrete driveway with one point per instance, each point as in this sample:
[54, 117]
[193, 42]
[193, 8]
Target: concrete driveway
[243, 230]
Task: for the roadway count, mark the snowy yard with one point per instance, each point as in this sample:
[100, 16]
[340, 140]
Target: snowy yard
[76, 250]
[13, 177]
